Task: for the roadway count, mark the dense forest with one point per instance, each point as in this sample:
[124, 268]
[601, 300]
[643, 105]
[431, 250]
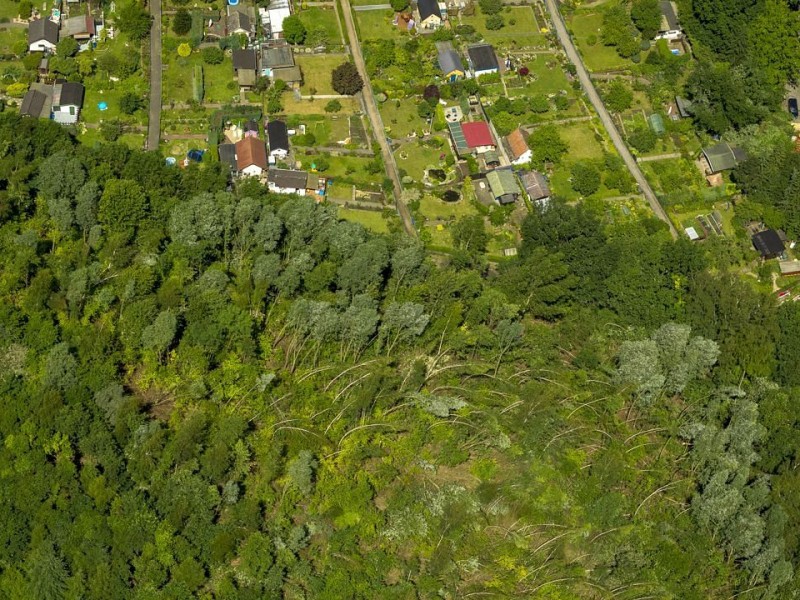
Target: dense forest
[221, 393]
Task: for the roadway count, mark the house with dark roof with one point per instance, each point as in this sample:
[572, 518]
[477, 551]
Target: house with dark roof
[227, 155]
[37, 102]
[429, 15]
[287, 181]
[251, 157]
[768, 243]
[482, 59]
[241, 20]
[245, 65]
[536, 186]
[670, 28]
[278, 136]
[721, 157]
[275, 56]
[503, 186]
[42, 35]
[518, 150]
[67, 102]
[450, 62]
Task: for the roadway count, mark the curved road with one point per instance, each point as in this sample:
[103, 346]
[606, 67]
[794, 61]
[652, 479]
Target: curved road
[605, 117]
[154, 121]
[376, 121]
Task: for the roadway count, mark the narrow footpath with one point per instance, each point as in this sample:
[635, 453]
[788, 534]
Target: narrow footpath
[154, 121]
[605, 116]
[376, 121]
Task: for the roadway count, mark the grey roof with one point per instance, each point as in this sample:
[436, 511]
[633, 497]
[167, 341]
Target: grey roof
[669, 22]
[449, 60]
[227, 155]
[427, 8]
[238, 19]
[33, 104]
[280, 56]
[288, 74]
[244, 59]
[278, 135]
[285, 178]
[482, 57]
[721, 157]
[68, 94]
[535, 185]
[685, 107]
[42, 29]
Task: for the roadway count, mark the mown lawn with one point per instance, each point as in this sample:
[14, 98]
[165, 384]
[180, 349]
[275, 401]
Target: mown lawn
[415, 158]
[435, 209]
[92, 137]
[597, 57]
[523, 32]
[10, 37]
[9, 9]
[315, 107]
[218, 80]
[352, 167]
[316, 16]
[376, 25]
[317, 72]
[582, 143]
[371, 219]
[400, 117]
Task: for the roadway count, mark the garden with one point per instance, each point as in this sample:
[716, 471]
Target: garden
[181, 73]
[376, 25]
[417, 158]
[316, 69]
[400, 117]
[519, 28]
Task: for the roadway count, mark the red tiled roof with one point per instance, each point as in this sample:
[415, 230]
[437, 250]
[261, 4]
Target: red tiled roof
[251, 151]
[517, 144]
[477, 134]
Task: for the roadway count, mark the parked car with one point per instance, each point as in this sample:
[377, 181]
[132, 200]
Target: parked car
[793, 107]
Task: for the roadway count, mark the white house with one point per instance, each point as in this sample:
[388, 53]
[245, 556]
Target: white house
[278, 136]
[67, 102]
[42, 35]
[519, 152]
[285, 181]
[251, 157]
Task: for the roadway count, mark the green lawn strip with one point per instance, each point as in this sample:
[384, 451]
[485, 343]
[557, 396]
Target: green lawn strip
[524, 31]
[352, 168]
[92, 137]
[179, 121]
[376, 25]
[371, 219]
[10, 37]
[316, 71]
[100, 89]
[317, 16]
[435, 209]
[218, 80]
[580, 137]
[8, 9]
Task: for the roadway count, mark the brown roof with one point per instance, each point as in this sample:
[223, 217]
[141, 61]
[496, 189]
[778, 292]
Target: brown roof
[517, 144]
[251, 151]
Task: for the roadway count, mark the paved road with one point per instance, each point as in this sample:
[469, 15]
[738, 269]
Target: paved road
[376, 121]
[154, 122]
[605, 117]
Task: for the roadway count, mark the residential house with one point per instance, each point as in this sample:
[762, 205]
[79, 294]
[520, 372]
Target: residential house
[450, 62]
[277, 63]
[769, 244]
[286, 181]
[518, 149]
[721, 157]
[482, 59]
[471, 138]
[241, 20]
[670, 28]
[42, 35]
[227, 155]
[37, 101]
[245, 65]
[278, 136]
[315, 186]
[82, 28]
[536, 186]
[429, 14]
[251, 157]
[67, 102]
[503, 186]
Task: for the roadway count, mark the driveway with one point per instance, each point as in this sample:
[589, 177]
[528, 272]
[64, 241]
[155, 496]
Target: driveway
[154, 121]
[605, 117]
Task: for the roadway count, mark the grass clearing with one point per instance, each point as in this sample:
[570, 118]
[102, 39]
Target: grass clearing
[376, 25]
[9, 9]
[370, 219]
[352, 168]
[523, 32]
[291, 105]
[316, 71]
[400, 117]
[597, 57]
[415, 158]
[218, 81]
[10, 37]
[324, 18]
[435, 209]
[582, 142]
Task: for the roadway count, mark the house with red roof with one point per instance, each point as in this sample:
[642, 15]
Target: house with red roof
[472, 138]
